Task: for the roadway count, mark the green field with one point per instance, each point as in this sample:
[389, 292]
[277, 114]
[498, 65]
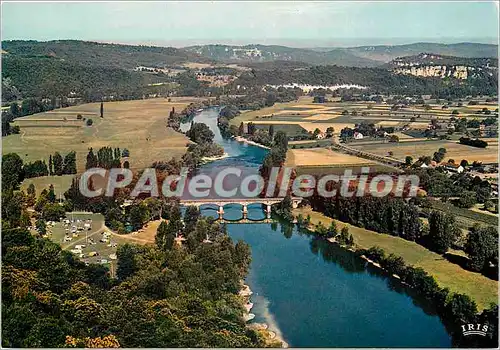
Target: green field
[139, 126]
[480, 288]
[61, 183]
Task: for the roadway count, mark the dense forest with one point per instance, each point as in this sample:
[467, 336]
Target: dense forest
[378, 80]
[161, 297]
[48, 77]
[166, 295]
[100, 54]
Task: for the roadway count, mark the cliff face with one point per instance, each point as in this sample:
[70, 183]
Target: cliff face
[458, 72]
[432, 65]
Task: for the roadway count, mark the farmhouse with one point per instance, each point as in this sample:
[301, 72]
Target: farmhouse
[358, 136]
[454, 168]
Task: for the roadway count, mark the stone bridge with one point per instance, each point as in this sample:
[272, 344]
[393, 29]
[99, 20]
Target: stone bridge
[244, 202]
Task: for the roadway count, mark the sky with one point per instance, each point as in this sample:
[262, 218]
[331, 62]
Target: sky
[300, 24]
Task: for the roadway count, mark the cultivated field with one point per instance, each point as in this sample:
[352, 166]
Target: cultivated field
[417, 149]
[308, 115]
[139, 126]
[322, 157]
[480, 288]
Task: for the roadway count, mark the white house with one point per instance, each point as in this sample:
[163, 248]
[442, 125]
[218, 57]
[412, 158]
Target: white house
[321, 136]
[358, 136]
[454, 168]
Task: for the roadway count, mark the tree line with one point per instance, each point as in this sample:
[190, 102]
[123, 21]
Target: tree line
[397, 217]
[106, 157]
[378, 81]
[14, 170]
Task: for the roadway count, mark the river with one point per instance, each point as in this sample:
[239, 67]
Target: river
[313, 293]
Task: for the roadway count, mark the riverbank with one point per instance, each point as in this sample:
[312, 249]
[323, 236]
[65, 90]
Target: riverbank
[448, 275]
[249, 142]
[271, 338]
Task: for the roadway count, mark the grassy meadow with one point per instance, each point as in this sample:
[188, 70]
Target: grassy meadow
[139, 126]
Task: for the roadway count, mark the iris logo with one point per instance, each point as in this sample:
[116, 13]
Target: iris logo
[474, 329]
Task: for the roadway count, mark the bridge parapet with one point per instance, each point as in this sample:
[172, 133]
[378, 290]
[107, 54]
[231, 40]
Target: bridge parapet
[244, 202]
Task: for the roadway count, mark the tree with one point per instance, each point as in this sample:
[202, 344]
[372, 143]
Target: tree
[316, 133]
[139, 215]
[467, 199]
[200, 133]
[58, 164]
[344, 237]
[482, 247]
[251, 128]
[462, 308]
[51, 196]
[443, 231]
[191, 216]
[52, 212]
[25, 219]
[14, 110]
[12, 171]
[51, 166]
[409, 160]
[394, 264]
[285, 208]
[89, 122]
[70, 163]
[127, 264]
[30, 195]
[91, 160]
[280, 140]
[271, 130]
[332, 230]
[165, 236]
[329, 131]
[41, 227]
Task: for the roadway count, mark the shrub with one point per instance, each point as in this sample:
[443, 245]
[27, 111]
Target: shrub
[376, 254]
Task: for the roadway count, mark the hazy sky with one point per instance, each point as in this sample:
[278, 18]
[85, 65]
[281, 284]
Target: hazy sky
[289, 23]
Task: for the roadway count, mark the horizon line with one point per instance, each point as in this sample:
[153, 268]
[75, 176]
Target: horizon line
[171, 43]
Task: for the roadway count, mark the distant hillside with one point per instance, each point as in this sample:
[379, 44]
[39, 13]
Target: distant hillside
[363, 56]
[47, 76]
[384, 53]
[101, 54]
[88, 69]
[264, 53]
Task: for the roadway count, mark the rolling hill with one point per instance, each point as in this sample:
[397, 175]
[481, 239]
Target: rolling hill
[362, 56]
[385, 53]
[100, 54]
[265, 53]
